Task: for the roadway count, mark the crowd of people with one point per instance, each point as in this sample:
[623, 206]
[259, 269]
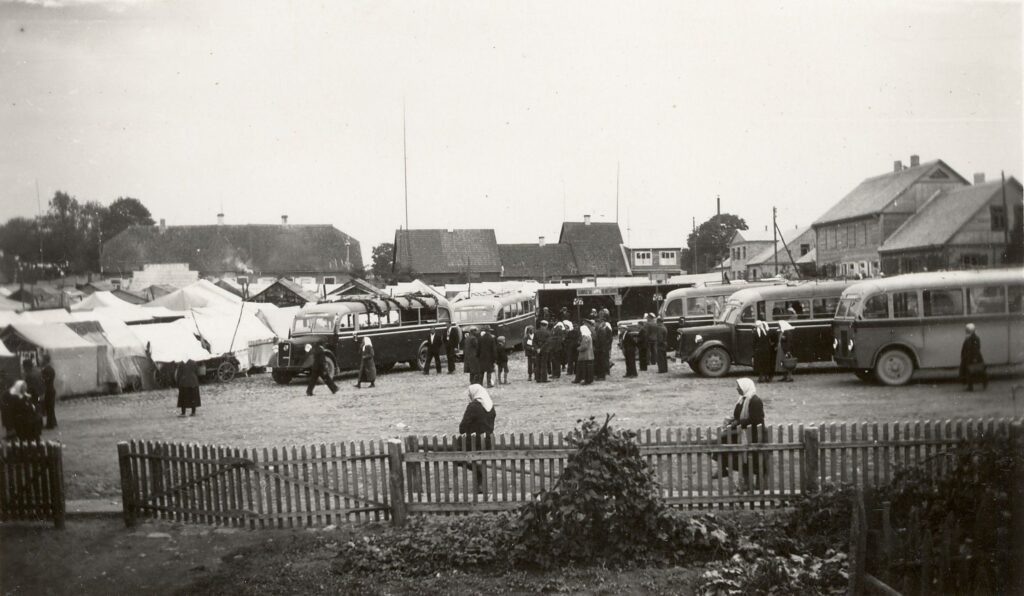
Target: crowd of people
[30, 401]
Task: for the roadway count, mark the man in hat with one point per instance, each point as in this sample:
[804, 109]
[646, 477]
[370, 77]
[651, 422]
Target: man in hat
[435, 345]
[540, 341]
[651, 329]
[662, 341]
[452, 339]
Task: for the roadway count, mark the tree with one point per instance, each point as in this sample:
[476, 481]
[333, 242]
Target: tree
[19, 242]
[711, 240]
[383, 255]
[123, 213]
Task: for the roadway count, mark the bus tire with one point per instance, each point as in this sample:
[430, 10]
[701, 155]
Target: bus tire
[281, 377]
[866, 374]
[894, 367]
[421, 357]
[713, 363]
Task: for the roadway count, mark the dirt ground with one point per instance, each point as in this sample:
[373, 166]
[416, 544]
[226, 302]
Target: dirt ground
[255, 412]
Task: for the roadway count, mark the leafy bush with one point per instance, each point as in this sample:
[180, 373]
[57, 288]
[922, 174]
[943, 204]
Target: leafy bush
[774, 574]
[606, 509]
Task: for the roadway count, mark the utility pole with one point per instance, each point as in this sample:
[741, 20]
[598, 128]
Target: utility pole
[616, 193]
[694, 223]
[718, 205]
[1006, 212]
[775, 241]
[405, 168]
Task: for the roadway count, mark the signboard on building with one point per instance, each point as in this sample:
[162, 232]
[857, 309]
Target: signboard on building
[597, 291]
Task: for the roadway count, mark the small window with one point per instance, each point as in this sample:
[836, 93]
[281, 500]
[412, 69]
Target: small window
[747, 316]
[1016, 299]
[501, 314]
[997, 214]
[667, 256]
[943, 303]
[804, 249]
[825, 308]
[330, 280]
[876, 307]
[744, 253]
[346, 322]
[973, 260]
[409, 316]
[443, 316]
[642, 258]
[986, 300]
[905, 305]
[674, 308]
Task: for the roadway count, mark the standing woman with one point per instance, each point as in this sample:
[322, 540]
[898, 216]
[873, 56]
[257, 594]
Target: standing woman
[187, 380]
[972, 365]
[367, 367]
[747, 413]
[50, 392]
[530, 350]
[572, 341]
[585, 355]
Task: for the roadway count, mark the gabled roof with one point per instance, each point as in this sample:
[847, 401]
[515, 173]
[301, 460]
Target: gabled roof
[794, 247]
[532, 261]
[943, 215]
[432, 251]
[874, 194]
[290, 286]
[597, 247]
[259, 248]
[757, 235]
[356, 286]
[810, 257]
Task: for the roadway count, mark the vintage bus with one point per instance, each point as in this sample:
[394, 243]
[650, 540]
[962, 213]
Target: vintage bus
[505, 315]
[399, 328]
[691, 307]
[809, 307]
[885, 329]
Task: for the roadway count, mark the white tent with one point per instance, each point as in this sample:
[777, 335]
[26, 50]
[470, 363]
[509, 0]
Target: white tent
[126, 362]
[201, 294]
[238, 331]
[278, 319]
[53, 315]
[100, 300]
[171, 342]
[75, 359]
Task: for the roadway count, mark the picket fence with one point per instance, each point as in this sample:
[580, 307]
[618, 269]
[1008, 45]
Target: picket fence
[327, 484]
[32, 482]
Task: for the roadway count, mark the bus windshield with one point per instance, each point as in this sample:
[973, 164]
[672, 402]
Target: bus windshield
[313, 323]
[846, 307]
[474, 314]
[731, 312]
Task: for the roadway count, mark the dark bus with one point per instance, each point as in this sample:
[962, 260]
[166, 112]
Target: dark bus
[505, 315]
[399, 328]
[808, 307]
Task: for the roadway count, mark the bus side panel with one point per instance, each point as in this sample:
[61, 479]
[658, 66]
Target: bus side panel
[812, 340]
[743, 344]
[995, 342]
[1015, 345]
[942, 339]
[346, 352]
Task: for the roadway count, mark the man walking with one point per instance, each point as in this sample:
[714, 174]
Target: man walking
[49, 377]
[972, 365]
[319, 371]
[487, 353]
[435, 344]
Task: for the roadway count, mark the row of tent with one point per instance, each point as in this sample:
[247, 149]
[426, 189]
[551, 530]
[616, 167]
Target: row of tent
[104, 343]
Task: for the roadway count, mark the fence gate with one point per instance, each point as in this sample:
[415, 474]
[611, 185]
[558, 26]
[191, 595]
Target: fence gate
[269, 488]
[32, 482]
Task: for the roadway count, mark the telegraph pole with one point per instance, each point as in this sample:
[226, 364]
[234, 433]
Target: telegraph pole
[775, 240]
[694, 244]
[616, 193]
[405, 168]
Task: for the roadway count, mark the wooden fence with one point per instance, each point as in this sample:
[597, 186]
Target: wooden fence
[323, 484]
[32, 482]
[269, 488]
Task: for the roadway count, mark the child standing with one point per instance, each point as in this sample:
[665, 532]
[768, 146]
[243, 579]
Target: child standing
[501, 359]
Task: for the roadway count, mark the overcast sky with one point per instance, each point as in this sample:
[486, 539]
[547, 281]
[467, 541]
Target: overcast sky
[515, 111]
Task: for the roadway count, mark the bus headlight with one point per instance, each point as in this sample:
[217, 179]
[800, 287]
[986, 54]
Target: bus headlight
[274, 349]
[698, 340]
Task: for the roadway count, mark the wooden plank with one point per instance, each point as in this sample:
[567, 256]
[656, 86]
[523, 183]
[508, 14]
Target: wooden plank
[395, 483]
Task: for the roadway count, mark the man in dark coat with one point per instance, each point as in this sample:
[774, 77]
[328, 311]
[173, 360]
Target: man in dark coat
[641, 341]
[435, 345]
[452, 338]
[49, 392]
[629, 351]
[319, 371]
[762, 352]
[471, 356]
[602, 347]
[540, 341]
[555, 349]
[34, 379]
[572, 342]
[662, 341]
[651, 328]
[487, 353]
[972, 365]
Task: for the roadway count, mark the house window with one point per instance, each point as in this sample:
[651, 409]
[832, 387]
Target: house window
[642, 258]
[973, 260]
[998, 217]
[330, 280]
[864, 233]
[744, 255]
[667, 256]
[241, 280]
[804, 249]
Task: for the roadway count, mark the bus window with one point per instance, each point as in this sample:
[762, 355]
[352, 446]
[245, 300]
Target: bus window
[825, 308]
[346, 322]
[675, 309]
[748, 315]
[1016, 299]
[876, 307]
[943, 303]
[986, 300]
[393, 318]
[761, 311]
[409, 316]
[905, 306]
[443, 315]
[428, 315]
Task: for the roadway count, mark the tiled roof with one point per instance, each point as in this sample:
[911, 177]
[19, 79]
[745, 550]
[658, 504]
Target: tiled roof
[943, 216]
[431, 251]
[532, 261]
[241, 248]
[597, 247]
[873, 194]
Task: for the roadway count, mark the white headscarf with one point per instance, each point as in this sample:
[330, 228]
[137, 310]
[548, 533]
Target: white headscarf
[749, 390]
[567, 324]
[762, 329]
[19, 388]
[478, 393]
[367, 342]
[584, 331]
[559, 325]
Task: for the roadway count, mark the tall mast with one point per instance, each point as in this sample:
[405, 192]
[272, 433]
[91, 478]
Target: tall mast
[405, 169]
[616, 192]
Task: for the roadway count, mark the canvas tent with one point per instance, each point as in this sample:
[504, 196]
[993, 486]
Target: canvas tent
[107, 305]
[52, 315]
[125, 362]
[171, 342]
[197, 295]
[278, 319]
[238, 331]
[75, 359]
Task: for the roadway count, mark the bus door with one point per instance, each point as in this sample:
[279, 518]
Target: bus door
[672, 317]
[808, 332]
[743, 334]
[986, 306]
[349, 342]
[943, 328]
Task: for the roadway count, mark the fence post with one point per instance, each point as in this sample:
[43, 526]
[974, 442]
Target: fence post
[396, 483]
[858, 546]
[412, 469]
[56, 465]
[127, 484]
[809, 473]
[1017, 506]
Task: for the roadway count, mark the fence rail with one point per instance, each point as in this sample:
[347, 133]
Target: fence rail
[323, 484]
[32, 482]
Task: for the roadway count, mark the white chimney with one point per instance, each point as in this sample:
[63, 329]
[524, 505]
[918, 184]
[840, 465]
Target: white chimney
[897, 166]
[220, 219]
[540, 240]
[284, 220]
[915, 160]
[979, 177]
[163, 225]
[586, 220]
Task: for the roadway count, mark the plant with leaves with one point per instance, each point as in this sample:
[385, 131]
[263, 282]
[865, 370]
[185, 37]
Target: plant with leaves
[711, 239]
[606, 509]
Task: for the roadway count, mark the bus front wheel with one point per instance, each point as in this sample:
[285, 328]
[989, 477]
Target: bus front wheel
[713, 363]
[281, 377]
[894, 367]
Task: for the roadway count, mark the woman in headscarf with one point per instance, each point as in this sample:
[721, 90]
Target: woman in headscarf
[572, 341]
[24, 412]
[556, 349]
[763, 352]
[747, 416]
[585, 357]
[187, 379]
[478, 419]
[367, 367]
[530, 350]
